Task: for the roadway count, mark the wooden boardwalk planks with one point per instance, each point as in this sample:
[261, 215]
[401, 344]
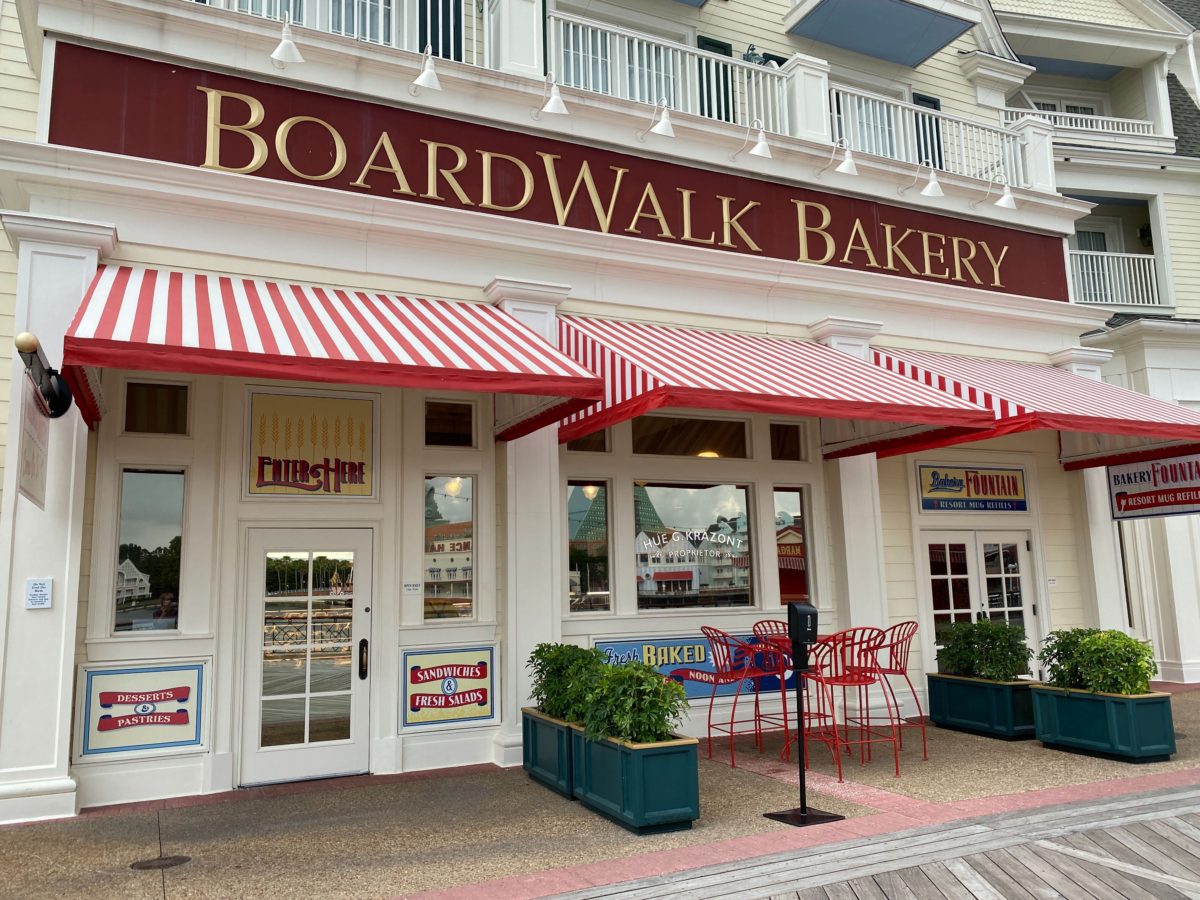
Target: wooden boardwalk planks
[1145, 847]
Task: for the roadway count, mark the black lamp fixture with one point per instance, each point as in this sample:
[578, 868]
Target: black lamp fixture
[52, 394]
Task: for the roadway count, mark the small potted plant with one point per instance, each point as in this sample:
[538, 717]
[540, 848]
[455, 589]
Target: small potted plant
[1098, 698]
[628, 765]
[978, 687]
[562, 676]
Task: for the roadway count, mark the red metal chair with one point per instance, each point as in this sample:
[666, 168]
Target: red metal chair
[852, 663]
[816, 714]
[893, 660]
[736, 662]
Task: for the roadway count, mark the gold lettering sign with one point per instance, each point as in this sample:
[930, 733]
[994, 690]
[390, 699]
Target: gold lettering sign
[310, 446]
[584, 195]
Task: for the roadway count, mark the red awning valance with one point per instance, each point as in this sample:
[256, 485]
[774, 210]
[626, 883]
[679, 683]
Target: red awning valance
[1099, 423]
[647, 367]
[154, 320]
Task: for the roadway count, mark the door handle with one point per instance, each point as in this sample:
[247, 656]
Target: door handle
[362, 658]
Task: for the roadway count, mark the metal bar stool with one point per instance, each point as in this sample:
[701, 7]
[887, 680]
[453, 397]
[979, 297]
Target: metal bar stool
[893, 661]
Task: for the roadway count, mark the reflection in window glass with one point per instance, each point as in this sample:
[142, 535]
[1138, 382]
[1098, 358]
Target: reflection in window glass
[785, 442]
[449, 424]
[449, 536]
[693, 545]
[596, 442]
[587, 545]
[790, 541]
[156, 408]
[669, 436]
[150, 541]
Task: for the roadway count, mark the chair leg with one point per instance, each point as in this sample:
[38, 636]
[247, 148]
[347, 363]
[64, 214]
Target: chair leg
[896, 701]
[894, 721]
[733, 725]
[920, 717]
[711, 698]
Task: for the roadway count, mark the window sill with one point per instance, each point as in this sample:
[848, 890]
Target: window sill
[142, 645]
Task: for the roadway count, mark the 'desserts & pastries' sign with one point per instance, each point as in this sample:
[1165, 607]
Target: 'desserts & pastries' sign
[137, 107]
[446, 686]
[146, 708]
[310, 446]
[949, 489]
[1162, 487]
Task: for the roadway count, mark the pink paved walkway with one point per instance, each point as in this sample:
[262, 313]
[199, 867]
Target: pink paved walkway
[895, 813]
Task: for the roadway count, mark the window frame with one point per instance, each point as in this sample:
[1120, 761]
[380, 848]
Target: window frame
[453, 472]
[608, 503]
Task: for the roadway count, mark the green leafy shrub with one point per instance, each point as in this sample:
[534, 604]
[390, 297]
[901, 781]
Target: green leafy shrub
[1106, 662]
[1061, 656]
[563, 675]
[985, 649]
[633, 702]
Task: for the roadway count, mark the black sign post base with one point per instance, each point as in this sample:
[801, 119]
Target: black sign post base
[801, 817]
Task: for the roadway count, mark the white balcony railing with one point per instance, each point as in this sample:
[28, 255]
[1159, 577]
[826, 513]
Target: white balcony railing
[1127, 279]
[1109, 125]
[594, 57]
[453, 29]
[870, 123]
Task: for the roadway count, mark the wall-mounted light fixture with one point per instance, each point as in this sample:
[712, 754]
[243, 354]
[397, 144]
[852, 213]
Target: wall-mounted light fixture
[428, 78]
[52, 394]
[761, 148]
[1005, 200]
[660, 122]
[286, 52]
[846, 166]
[552, 103]
[933, 187]
[753, 56]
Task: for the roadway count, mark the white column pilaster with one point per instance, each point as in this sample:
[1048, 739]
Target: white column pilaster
[57, 259]
[861, 520]
[1037, 146]
[808, 97]
[533, 522]
[516, 30]
[1102, 542]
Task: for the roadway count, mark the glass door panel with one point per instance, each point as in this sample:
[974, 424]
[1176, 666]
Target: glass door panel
[306, 688]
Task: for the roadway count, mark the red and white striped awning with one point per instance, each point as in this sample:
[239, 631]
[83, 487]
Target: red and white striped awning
[1098, 423]
[149, 319]
[646, 367]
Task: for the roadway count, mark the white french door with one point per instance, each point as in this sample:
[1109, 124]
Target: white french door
[307, 679]
[980, 574]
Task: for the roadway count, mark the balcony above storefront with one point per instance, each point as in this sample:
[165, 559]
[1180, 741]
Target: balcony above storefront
[1116, 279]
[614, 82]
[906, 32]
[1090, 130]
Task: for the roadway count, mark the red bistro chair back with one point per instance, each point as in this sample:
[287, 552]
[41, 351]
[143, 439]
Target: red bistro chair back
[854, 656]
[897, 644]
[770, 628]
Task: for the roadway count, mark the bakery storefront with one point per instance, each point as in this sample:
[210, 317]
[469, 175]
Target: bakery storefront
[372, 400]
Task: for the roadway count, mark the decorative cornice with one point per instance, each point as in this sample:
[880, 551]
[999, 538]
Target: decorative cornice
[502, 289]
[25, 227]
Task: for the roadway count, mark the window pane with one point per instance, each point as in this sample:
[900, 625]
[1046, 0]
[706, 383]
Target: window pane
[156, 408]
[790, 540]
[668, 436]
[150, 540]
[785, 442]
[449, 424]
[693, 545]
[587, 545]
[596, 442]
[449, 535]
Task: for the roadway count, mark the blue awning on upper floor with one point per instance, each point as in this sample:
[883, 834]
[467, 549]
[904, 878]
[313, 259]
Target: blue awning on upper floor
[906, 32]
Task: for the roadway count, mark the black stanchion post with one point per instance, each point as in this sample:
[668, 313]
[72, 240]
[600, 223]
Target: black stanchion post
[802, 631]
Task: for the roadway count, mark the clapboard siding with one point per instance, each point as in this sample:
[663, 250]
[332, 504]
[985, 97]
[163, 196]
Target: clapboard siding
[1183, 236]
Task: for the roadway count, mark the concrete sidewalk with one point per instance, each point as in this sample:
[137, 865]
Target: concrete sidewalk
[489, 832]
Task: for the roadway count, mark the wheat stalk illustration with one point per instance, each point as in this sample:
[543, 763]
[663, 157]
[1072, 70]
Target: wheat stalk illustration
[312, 422]
[325, 434]
[337, 434]
[287, 437]
[362, 437]
[299, 435]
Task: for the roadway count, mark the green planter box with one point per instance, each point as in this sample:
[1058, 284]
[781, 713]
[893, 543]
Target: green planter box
[1137, 727]
[1002, 709]
[645, 787]
[546, 750]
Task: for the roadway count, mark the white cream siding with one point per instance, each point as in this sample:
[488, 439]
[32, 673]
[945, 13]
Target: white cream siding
[18, 119]
[1183, 225]
[1128, 95]
[1101, 12]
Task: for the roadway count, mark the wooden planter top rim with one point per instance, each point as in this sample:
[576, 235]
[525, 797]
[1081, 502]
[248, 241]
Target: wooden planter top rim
[1019, 681]
[538, 714]
[1063, 690]
[678, 740]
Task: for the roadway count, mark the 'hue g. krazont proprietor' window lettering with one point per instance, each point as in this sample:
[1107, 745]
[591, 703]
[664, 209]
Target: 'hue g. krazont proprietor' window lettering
[137, 107]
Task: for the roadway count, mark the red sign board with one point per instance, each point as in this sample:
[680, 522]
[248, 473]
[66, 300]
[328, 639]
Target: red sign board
[153, 110]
